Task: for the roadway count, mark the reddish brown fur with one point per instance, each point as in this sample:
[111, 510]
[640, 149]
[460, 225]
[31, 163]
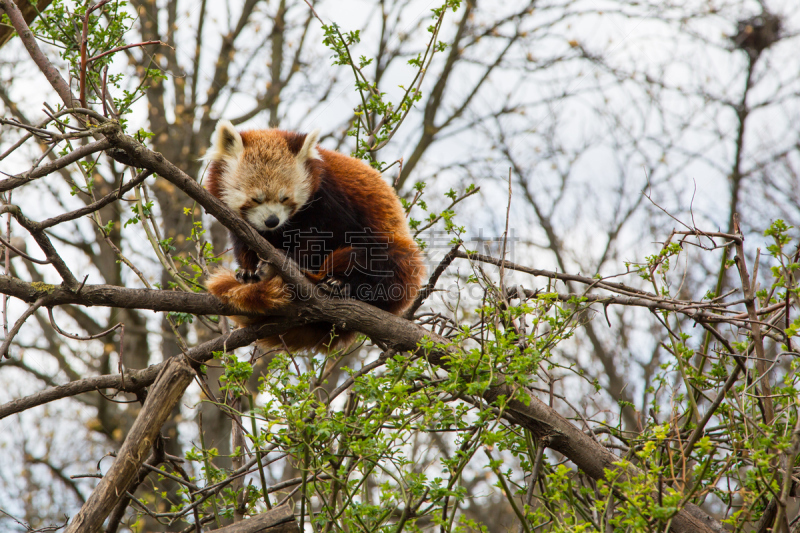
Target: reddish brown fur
[264, 295]
[213, 181]
[364, 190]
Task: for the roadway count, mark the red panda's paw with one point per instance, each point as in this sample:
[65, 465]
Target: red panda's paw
[262, 272]
[257, 297]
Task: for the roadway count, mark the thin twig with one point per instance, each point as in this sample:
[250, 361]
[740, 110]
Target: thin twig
[17, 325]
[120, 48]
[426, 291]
[23, 254]
[78, 337]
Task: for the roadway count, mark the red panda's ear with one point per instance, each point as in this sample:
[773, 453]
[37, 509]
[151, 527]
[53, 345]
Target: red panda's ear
[309, 149]
[226, 143]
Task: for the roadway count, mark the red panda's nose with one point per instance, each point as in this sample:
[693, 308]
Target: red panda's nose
[272, 222]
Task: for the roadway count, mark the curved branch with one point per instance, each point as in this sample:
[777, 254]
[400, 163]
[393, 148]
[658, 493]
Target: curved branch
[17, 325]
[165, 394]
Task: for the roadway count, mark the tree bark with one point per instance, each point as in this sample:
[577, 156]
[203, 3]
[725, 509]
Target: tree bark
[29, 12]
[278, 520]
[167, 390]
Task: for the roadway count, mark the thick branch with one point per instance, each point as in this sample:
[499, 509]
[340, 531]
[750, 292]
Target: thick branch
[113, 296]
[29, 12]
[278, 520]
[50, 72]
[589, 455]
[167, 391]
[44, 243]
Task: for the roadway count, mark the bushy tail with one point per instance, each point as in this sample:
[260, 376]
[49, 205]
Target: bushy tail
[269, 294]
[258, 297]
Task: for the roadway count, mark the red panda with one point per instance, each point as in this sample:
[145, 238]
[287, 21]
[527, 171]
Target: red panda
[332, 214]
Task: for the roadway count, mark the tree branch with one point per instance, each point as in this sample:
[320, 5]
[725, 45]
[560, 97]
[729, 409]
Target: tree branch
[26, 35]
[137, 380]
[278, 520]
[166, 392]
[73, 156]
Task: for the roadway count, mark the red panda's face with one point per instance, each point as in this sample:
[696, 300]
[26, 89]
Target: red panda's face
[261, 177]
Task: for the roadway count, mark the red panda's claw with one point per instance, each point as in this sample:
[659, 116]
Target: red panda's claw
[336, 287]
[263, 271]
[245, 276]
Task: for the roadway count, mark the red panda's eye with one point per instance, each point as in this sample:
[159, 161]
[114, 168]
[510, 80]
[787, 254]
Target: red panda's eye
[284, 199]
[256, 199]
